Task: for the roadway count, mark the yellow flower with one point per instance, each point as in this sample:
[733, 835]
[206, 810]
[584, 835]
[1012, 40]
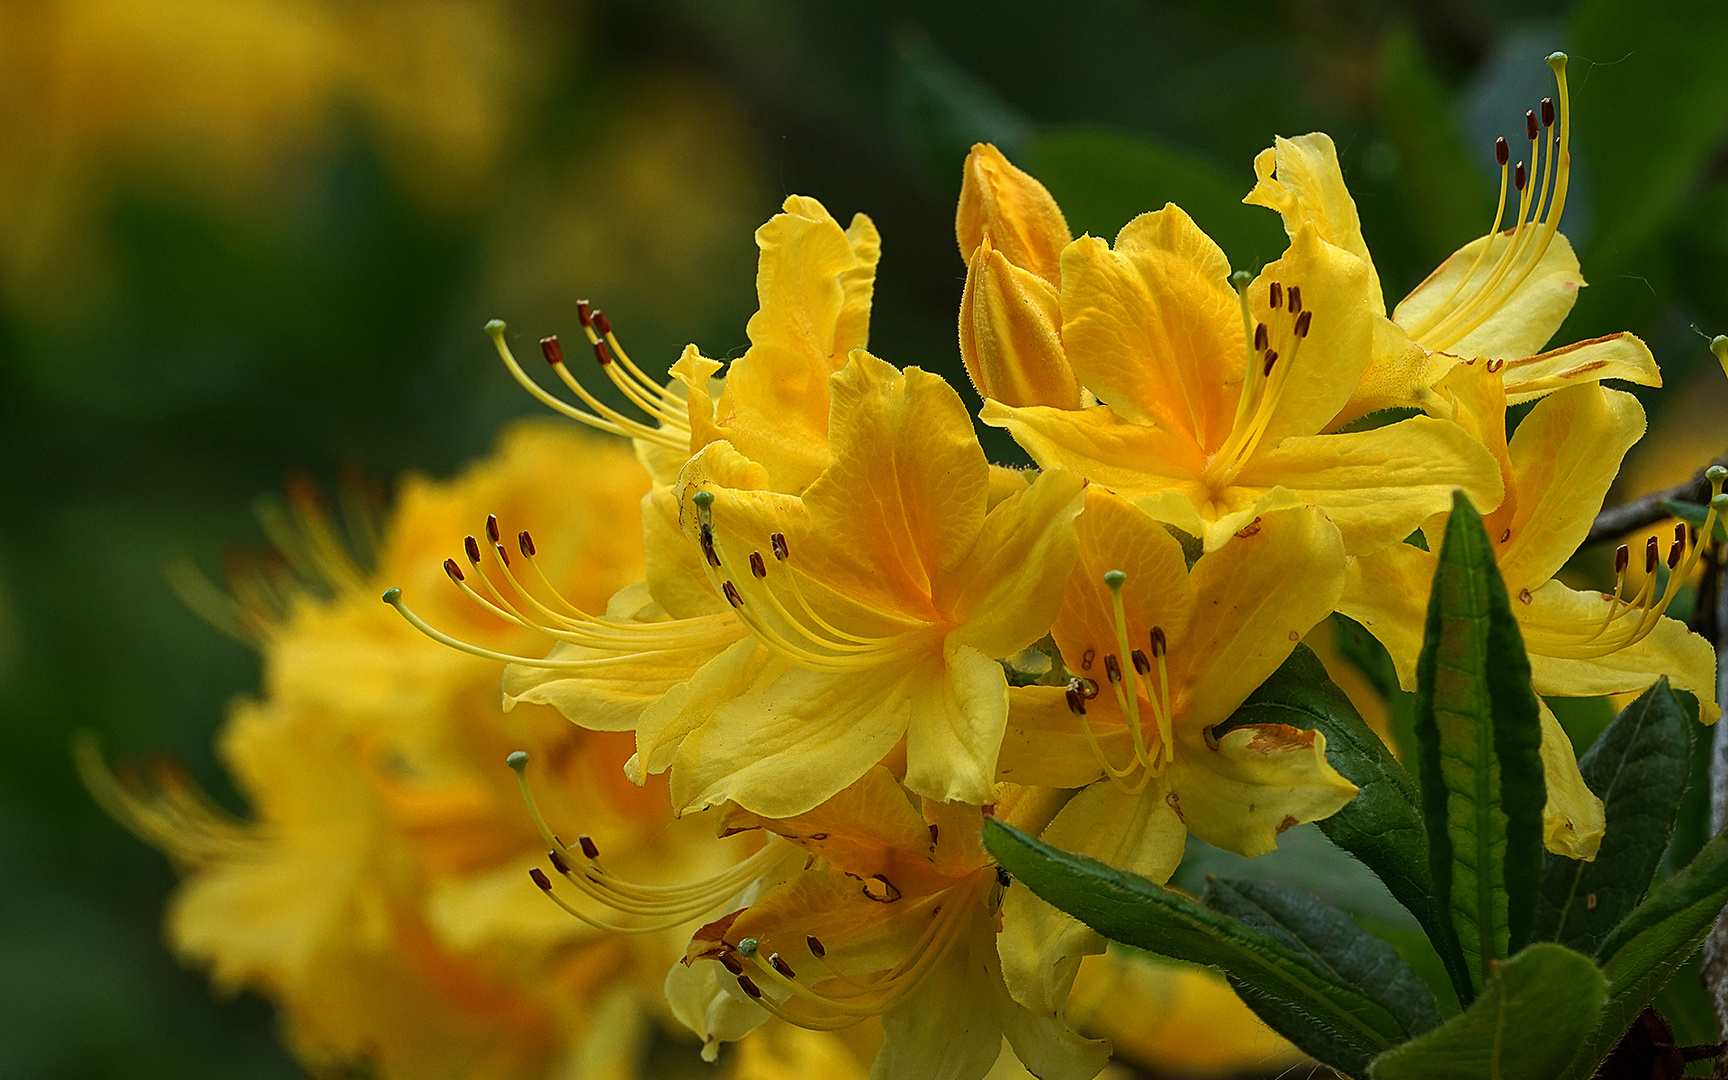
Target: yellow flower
[895, 918]
[377, 893]
[1499, 297]
[1558, 467]
[876, 603]
[1161, 654]
[1214, 402]
[1011, 235]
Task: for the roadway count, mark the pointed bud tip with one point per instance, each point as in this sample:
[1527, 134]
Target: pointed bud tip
[517, 760]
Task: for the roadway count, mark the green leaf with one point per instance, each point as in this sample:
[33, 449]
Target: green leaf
[1478, 739]
[1695, 514]
[1325, 1016]
[1104, 178]
[1641, 954]
[1638, 768]
[1382, 826]
[1535, 1010]
[1332, 943]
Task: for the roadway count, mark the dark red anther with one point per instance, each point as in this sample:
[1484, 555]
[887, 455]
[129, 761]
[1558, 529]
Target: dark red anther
[1680, 528]
[1518, 176]
[1276, 296]
[602, 354]
[558, 862]
[705, 536]
[933, 832]
[551, 350]
[777, 541]
[540, 878]
[1076, 704]
[602, 323]
[584, 312]
[1502, 152]
[492, 527]
[732, 596]
[1303, 321]
[1622, 557]
[586, 843]
[749, 987]
[452, 569]
[1271, 358]
[730, 963]
[1530, 124]
[1159, 645]
[1652, 555]
[1675, 551]
[1112, 668]
[1260, 338]
[525, 543]
[815, 946]
[472, 547]
[1547, 112]
[1295, 299]
[756, 565]
[781, 966]
[503, 556]
[1085, 687]
[1141, 663]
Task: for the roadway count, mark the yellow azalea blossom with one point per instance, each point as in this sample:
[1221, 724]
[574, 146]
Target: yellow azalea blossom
[1214, 403]
[1500, 297]
[377, 892]
[1162, 654]
[877, 604]
[896, 917]
[1011, 235]
[1558, 467]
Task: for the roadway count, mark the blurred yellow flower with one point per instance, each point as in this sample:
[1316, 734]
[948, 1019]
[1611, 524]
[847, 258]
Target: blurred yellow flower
[379, 892]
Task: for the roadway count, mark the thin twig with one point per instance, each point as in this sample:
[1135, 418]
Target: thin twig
[1715, 966]
[1645, 510]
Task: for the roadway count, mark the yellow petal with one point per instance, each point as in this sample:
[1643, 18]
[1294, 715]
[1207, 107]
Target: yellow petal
[1399, 375]
[781, 748]
[1378, 486]
[1617, 356]
[1153, 327]
[1131, 459]
[677, 578]
[1043, 743]
[1506, 325]
[955, 729]
[1565, 454]
[1255, 598]
[1557, 619]
[1319, 372]
[1007, 208]
[704, 998]
[1572, 819]
[1011, 334]
[1300, 179]
[1387, 592]
[1262, 779]
[693, 700]
[1006, 591]
[1041, 947]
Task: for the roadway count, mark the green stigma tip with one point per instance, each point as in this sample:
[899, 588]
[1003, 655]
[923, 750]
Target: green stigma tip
[1115, 579]
[1720, 503]
[1557, 59]
[703, 499]
[517, 760]
[1240, 279]
[1719, 344]
[495, 327]
[748, 947]
[392, 595]
[1716, 474]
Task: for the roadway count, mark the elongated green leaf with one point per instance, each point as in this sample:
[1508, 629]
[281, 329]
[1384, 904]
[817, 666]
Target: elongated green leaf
[1535, 1010]
[1322, 1014]
[1638, 768]
[1650, 944]
[1382, 826]
[1478, 738]
[1332, 943]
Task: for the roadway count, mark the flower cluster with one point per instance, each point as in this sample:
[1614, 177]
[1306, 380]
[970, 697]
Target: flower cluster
[840, 589]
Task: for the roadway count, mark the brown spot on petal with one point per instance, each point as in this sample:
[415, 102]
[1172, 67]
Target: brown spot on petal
[880, 889]
[1274, 738]
[1524, 596]
[1294, 636]
[709, 941]
[1249, 529]
[1287, 823]
[1175, 804]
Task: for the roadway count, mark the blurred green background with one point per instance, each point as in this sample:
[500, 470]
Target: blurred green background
[243, 237]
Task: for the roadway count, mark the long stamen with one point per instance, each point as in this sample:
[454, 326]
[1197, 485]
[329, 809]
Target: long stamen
[603, 417]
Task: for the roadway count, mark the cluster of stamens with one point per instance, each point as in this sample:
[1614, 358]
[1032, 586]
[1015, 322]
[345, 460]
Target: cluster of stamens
[513, 601]
[773, 603]
[651, 907]
[664, 407]
[1154, 747]
[1629, 621]
[1475, 299]
[1272, 348]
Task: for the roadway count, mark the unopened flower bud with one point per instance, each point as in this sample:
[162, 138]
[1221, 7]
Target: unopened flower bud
[1014, 212]
[1010, 334]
